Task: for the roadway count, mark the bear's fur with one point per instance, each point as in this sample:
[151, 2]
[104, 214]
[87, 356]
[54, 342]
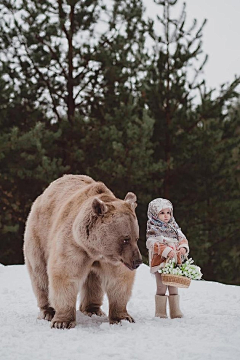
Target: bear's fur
[79, 236]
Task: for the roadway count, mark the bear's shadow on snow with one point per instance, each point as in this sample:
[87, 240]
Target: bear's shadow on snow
[83, 320]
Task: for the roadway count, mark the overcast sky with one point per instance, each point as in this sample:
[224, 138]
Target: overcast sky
[221, 36]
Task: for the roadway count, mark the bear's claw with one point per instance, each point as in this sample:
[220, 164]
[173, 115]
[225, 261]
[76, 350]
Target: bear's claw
[63, 324]
[118, 320]
[97, 312]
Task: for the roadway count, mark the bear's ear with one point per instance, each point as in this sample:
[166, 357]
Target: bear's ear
[99, 207]
[131, 199]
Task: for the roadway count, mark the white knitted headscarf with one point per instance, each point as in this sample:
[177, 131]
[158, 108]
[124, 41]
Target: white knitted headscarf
[156, 227]
[156, 205]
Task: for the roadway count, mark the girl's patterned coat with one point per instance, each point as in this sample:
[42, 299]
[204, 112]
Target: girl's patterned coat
[163, 237]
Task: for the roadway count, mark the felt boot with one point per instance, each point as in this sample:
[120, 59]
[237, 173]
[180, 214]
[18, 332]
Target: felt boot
[175, 311]
[160, 306]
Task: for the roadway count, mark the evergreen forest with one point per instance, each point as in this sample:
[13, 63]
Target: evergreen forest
[96, 87]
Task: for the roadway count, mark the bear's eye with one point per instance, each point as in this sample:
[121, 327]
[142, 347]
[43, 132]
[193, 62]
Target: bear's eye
[126, 241]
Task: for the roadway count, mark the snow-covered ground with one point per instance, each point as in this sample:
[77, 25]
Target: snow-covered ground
[209, 330]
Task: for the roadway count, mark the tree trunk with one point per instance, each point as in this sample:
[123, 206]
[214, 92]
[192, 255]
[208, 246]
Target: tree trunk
[70, 100]
[168, 114]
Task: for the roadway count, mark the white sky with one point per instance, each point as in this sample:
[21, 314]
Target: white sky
[220, 36]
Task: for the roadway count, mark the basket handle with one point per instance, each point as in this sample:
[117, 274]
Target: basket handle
[182, 258]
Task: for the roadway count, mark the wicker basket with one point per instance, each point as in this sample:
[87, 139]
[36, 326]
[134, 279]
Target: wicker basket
[176, 280]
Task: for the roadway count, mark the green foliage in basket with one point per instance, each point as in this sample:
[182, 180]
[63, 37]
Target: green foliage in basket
[186, 269]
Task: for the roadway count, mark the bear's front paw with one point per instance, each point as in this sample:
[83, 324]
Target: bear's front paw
[117, 320]
[63, 324]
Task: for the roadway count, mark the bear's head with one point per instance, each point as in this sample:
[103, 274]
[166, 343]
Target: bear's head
[112, 231]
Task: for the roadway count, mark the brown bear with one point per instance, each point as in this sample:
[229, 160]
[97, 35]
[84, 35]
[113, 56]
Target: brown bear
[80, 237]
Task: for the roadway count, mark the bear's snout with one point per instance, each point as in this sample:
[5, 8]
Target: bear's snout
[137, 263]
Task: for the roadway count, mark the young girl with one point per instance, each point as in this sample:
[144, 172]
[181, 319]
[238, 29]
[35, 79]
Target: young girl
[165, 240]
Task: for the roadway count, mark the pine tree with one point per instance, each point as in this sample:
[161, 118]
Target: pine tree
[117, 133]
[25, 162]
[191, 140]
[168, 87]
[49, 46]
[83, 78]
[214, 209]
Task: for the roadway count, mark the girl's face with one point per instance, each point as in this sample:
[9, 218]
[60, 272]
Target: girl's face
[164, 215]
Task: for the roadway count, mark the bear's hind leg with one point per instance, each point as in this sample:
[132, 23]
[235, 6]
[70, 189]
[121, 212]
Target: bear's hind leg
[39, 279]
[92, 296]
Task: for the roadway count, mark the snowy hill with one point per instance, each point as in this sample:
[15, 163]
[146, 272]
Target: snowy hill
[209, 330]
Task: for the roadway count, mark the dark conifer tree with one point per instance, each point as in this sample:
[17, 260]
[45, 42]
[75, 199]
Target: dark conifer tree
[27, 163]
[195, 142]
[77, 63]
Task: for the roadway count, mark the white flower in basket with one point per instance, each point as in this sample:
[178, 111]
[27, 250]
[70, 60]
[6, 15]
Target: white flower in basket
[180, 275]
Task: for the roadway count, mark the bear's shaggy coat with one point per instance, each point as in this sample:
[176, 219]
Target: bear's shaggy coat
[79, 236]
